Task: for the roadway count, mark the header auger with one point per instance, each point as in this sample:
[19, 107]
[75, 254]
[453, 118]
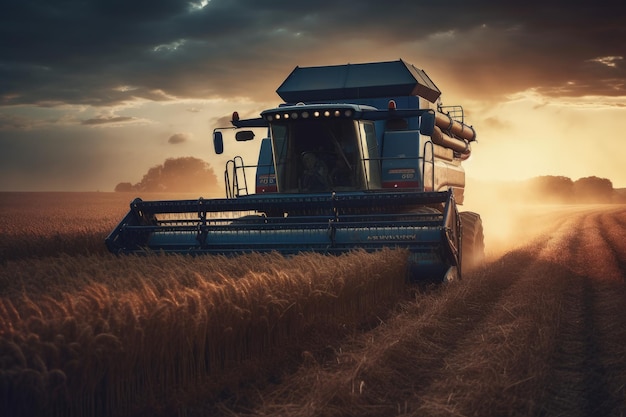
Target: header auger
[357, 156]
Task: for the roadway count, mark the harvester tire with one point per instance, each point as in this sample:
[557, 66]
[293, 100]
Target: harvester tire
[472, 241]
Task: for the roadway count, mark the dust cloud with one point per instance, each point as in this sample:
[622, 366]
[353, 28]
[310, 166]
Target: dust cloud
[513, 213]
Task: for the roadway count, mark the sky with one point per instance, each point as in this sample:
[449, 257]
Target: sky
[96, 92]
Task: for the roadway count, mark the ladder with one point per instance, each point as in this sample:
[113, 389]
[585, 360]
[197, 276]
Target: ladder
[235, 178]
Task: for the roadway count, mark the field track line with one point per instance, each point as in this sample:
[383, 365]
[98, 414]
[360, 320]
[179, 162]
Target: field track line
[391, 362]
[613, 233]
[586, 381]
[596, 257]
[433, 338]
[500, 367]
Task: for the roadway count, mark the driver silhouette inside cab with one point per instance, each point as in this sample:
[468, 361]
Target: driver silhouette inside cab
[315, 174]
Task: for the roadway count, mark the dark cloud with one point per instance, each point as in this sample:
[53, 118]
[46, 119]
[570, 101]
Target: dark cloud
[178, 138]
[13, 122]
[103, 120]
[103, 52]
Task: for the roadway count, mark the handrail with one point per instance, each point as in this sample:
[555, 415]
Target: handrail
[235, 168]
[432, 162]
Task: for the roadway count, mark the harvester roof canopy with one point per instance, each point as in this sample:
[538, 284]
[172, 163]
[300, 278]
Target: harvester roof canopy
[352, 81]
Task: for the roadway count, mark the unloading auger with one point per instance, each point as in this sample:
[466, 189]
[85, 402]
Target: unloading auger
[358, 156]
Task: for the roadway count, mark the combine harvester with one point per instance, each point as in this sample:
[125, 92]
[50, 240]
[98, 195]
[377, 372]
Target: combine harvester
[358, 156]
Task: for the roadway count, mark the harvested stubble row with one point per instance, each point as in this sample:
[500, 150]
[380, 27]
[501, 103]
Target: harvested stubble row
[100, 335]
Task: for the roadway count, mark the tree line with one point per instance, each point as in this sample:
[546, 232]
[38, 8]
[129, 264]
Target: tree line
[561, 189]
[176, 175]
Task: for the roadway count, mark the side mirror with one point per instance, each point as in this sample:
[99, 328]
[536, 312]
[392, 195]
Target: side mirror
[218, 142]
[427, 123]
[244, 135]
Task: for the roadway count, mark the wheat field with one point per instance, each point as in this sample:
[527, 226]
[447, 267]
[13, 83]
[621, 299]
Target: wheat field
[538, 331]
[87, 333]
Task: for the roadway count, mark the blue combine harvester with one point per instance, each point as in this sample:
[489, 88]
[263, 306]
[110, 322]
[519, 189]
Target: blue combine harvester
[357, 156]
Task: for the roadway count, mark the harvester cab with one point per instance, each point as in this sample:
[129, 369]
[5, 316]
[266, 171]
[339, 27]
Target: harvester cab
[332, 147]
[357, 156]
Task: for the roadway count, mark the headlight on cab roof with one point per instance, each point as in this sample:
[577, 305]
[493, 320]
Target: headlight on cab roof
[306, 113]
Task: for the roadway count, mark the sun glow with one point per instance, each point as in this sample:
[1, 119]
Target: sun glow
[533, 134]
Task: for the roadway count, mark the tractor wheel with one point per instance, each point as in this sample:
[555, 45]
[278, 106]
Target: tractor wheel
[472, 241]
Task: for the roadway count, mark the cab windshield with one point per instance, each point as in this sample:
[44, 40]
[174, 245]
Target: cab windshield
[317, 155]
